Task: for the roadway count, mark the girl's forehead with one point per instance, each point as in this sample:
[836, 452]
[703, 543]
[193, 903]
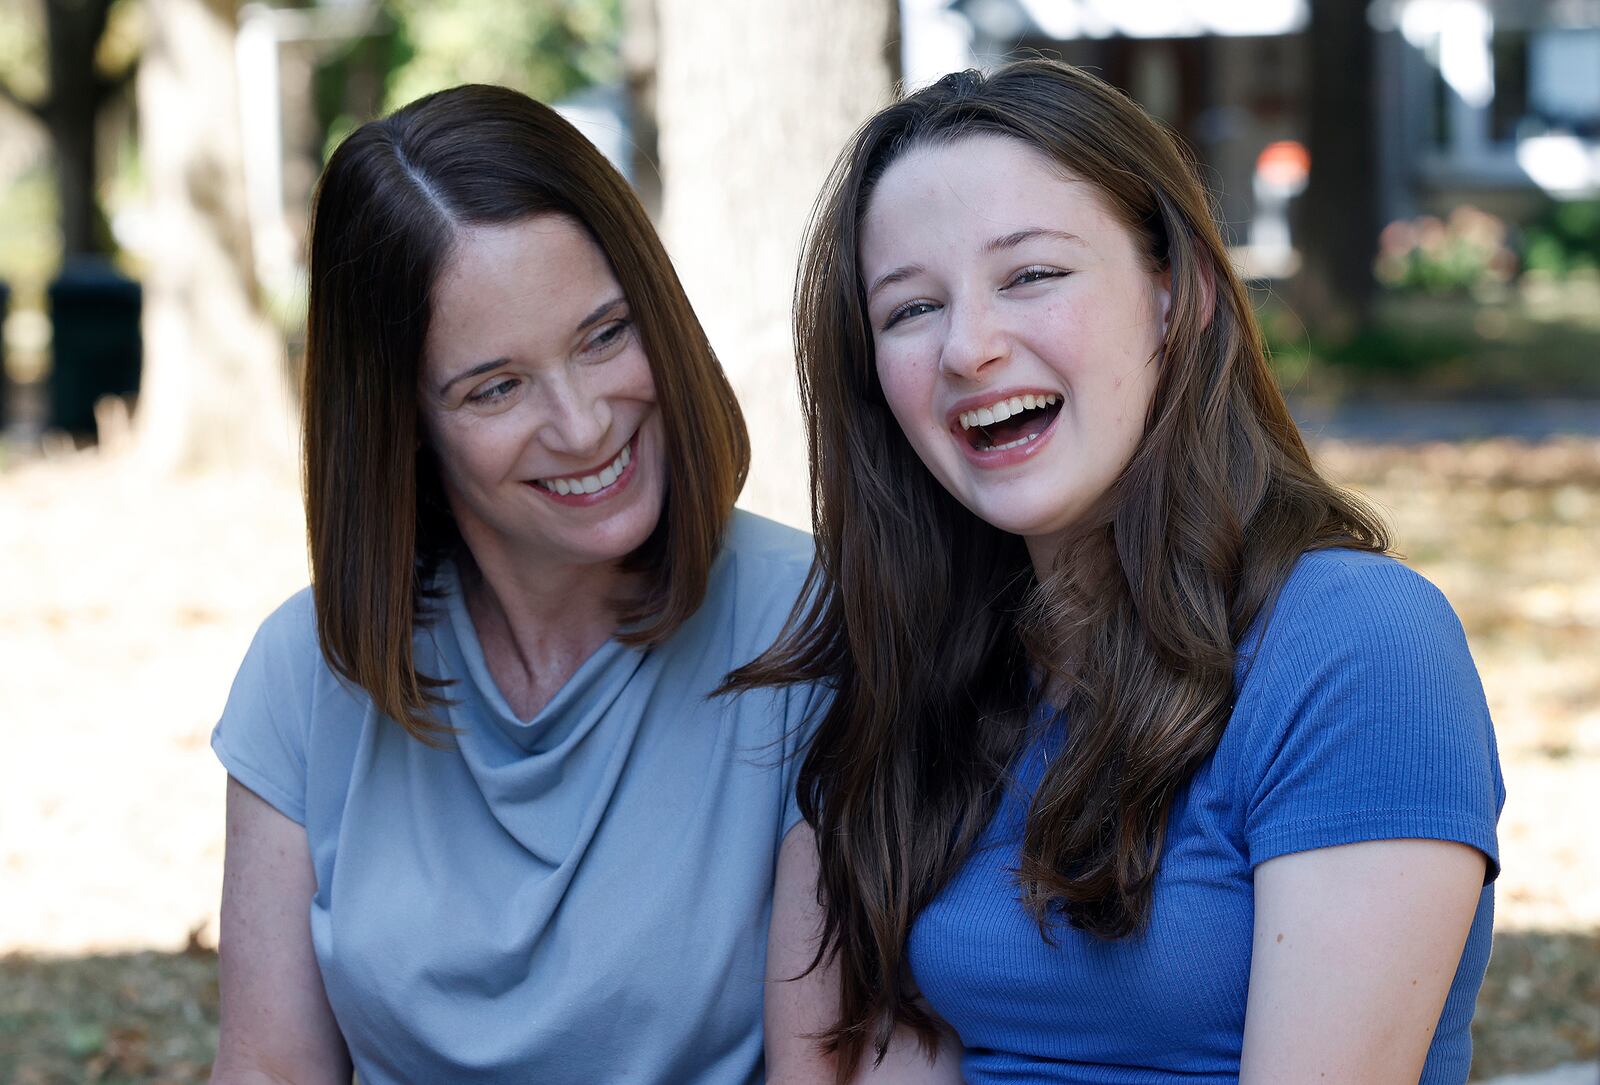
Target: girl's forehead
[979, 188]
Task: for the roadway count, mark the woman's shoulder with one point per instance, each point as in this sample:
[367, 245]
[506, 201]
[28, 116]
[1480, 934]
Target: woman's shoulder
[757, 540]
[286, 656]
[757, 578]
[763, 562]
[288, 635]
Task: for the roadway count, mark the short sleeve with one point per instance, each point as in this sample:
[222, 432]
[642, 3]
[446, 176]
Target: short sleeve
[262, 736]
[1364, 716]
[804, 706]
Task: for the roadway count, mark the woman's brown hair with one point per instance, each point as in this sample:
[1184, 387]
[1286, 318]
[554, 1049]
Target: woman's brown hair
[384, 220]
[927, 622]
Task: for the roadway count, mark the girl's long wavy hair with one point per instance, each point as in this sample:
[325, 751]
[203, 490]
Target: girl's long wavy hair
[927, 622]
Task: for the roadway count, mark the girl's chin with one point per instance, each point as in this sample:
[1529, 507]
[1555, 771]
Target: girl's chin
[1008, 517]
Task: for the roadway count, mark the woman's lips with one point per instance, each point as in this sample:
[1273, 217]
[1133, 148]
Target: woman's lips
[623, 466]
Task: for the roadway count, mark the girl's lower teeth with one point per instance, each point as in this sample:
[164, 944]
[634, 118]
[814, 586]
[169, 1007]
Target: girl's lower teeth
[1013, 444]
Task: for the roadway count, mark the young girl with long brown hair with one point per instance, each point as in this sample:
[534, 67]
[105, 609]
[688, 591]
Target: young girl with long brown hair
[1145, 762]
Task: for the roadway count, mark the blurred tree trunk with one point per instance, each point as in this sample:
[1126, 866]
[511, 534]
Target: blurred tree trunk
[78, 92]
[1337, 226]
[640, 55]
[754, 102]
[215, 391]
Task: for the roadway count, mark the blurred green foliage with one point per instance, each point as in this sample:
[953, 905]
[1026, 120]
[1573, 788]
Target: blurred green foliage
[22, 59]
[1511, 341]
[1564, 239]
[545, 48]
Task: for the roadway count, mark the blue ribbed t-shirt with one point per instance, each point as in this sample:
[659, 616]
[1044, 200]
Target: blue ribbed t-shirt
[1358, 716]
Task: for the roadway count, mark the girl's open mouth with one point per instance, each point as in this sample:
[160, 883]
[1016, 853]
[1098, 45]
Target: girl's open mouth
[1009, 423]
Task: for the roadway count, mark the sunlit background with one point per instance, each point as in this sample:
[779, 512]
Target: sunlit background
[1410, 187]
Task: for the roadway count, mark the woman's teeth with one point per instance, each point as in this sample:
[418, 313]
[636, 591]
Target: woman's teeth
[589, 484]
[999, 412]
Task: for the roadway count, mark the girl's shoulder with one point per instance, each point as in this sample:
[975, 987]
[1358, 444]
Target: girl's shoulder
[1353, 601]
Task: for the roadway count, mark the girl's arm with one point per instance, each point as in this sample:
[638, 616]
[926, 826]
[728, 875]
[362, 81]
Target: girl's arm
[1355, 948]
[276, 1023]
[798, 1008]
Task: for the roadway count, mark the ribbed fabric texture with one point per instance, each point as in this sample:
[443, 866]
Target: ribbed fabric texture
[1359, 716]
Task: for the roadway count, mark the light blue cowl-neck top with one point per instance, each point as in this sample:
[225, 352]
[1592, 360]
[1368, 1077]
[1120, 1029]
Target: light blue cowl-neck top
[582, 897]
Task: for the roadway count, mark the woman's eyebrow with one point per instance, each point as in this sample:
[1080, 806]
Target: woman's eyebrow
[475, 371]
[600, 312]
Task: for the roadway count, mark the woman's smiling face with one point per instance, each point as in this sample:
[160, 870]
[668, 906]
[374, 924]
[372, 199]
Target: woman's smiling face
[1016, 326]
[538, 400]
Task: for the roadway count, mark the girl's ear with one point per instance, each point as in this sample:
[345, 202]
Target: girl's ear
[1208, 294]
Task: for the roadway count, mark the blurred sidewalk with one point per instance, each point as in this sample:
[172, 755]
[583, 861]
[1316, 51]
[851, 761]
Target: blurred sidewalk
[1577, 1073]
[1417, 422]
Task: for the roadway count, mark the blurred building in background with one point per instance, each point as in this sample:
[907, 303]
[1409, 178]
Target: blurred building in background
[1490, 102]
[1385, 166]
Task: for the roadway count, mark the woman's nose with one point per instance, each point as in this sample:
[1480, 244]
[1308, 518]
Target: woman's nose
[576, 424]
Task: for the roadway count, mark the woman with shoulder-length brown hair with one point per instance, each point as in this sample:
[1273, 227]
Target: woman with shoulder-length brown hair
[1144, 763]
[484, 821]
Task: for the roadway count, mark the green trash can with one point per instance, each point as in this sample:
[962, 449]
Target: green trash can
[95, 343]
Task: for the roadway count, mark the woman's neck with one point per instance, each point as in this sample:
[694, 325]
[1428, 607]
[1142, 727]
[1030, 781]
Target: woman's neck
[537, 626]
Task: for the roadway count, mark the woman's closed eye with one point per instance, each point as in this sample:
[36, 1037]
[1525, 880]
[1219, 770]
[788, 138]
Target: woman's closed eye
[608, 337]
[493, 392]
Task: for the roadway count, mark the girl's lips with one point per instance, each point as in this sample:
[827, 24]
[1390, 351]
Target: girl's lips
[605, 494]
[994, 458]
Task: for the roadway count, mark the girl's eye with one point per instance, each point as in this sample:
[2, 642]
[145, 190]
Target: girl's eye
[906, 311]
[1034, 274]
[609, 336]
[494, 392]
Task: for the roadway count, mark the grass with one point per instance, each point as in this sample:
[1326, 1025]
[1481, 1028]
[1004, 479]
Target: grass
[117, 1019]
[1540, 338]
[152, 1017]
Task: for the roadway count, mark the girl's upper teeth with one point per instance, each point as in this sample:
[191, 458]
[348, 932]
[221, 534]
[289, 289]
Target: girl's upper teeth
[1004, 409]
[588, 484]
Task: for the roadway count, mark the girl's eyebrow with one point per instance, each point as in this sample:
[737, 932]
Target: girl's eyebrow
[889, 278]
[1012, 240]
[1009, 241]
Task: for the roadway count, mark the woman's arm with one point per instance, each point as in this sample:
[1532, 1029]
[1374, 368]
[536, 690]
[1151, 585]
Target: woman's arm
[1354, 951]
[276, 1023]
[796, 1009]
